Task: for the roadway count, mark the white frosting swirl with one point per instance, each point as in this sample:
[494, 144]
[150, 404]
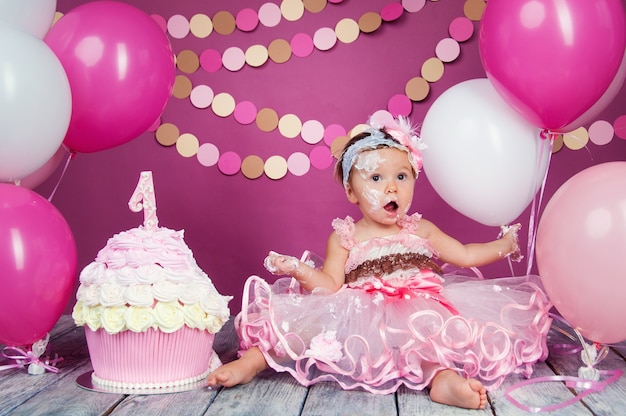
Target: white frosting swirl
[148, 279]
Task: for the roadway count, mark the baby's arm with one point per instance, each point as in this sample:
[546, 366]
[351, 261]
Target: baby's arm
[472, 254]
[331, 276]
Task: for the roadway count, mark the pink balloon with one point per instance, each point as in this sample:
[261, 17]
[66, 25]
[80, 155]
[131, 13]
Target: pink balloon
[603, 102]
[581, 247]
[552, 60]
[121, 70]
[37, 265]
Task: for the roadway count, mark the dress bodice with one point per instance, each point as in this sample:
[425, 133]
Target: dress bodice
[385, 257]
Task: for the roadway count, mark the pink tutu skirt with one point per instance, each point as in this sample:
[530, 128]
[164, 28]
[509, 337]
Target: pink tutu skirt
[378, 336]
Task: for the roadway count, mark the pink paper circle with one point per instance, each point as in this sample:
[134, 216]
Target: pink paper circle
[201, 96]
[160, 20]
[210, 60]
[413, 6]
[321, 157]
[333, 131]
[178, 26]
[155, 125]
[269, 14]
[229, 163]
[298, 164]
[312, 131]
[382, 116]
[391, 12]
[245, 112]
[234, 58]
[400, 105]
[620, 127]
[247, 20]
[208, 154]
[461, 29]
[601, 132]
[301, 45]
[447, 50]
[324, 38]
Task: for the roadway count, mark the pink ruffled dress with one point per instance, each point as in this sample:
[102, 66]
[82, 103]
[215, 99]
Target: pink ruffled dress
[398, 320]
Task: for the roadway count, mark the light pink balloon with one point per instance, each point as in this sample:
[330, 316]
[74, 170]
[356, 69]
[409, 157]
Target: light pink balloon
[581, 251]
[37, 265]
[121, 70]
[552, 60]
[40, 175]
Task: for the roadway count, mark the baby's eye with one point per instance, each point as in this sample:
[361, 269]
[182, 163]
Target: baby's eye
[402, 176]
[375, 178]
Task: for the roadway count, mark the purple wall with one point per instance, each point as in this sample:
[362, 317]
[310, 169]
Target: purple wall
[231, 222]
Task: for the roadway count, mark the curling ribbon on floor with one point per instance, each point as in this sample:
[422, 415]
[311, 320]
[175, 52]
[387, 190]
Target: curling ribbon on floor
[588, 376]
[31, 358]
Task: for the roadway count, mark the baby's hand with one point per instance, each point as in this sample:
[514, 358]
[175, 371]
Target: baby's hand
[281, 265]
[509, 233]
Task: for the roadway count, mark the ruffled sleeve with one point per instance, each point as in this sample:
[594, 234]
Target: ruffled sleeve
[409, 222]
[345, 229]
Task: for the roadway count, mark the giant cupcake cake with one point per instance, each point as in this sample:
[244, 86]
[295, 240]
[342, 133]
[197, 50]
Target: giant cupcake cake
[150, 313]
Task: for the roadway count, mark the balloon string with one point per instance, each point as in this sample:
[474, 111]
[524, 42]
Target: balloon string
[532, 224]
[71, 156]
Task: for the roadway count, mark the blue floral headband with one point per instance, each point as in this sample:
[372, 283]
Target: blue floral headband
[405, 140]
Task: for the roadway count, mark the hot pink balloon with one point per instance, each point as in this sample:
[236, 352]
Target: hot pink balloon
[120, 66]
[581, 247]
[552, 60]
[37, 265]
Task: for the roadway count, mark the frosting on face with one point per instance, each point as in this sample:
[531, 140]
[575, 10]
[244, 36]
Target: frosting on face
[148, 279]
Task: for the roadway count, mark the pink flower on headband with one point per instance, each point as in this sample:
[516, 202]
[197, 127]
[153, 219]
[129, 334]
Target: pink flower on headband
[404, 133]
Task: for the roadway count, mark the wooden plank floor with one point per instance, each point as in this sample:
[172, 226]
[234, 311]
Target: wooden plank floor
[278, 394]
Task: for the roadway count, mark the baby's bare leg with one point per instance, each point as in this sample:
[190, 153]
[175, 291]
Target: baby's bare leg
[240, 371]
[450, 388]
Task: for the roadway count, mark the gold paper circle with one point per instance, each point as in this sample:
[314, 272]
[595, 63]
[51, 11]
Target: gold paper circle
[337, 146]
[279, 51]
[182, 87]
[267, 119]
[167, 134]
[557, 143]
[187, 61]
[224, 22]
[474, 9]
[252, 167]
[417, 89]
[370, 22]
[314, 6]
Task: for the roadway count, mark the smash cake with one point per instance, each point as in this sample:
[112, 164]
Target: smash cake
[150, 313]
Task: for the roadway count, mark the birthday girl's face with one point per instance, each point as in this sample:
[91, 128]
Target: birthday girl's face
[381, 183]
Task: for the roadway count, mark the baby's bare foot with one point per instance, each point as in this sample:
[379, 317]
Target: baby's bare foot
[240, 371]
[450, 388]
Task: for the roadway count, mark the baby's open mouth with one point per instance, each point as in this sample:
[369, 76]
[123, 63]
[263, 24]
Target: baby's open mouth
[391, 206]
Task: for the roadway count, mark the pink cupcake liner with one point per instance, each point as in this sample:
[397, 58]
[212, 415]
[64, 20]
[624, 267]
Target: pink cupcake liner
[151, 357]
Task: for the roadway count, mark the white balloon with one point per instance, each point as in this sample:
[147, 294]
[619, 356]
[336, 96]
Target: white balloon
[483, 158]
[35, 103]
[32, 16]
